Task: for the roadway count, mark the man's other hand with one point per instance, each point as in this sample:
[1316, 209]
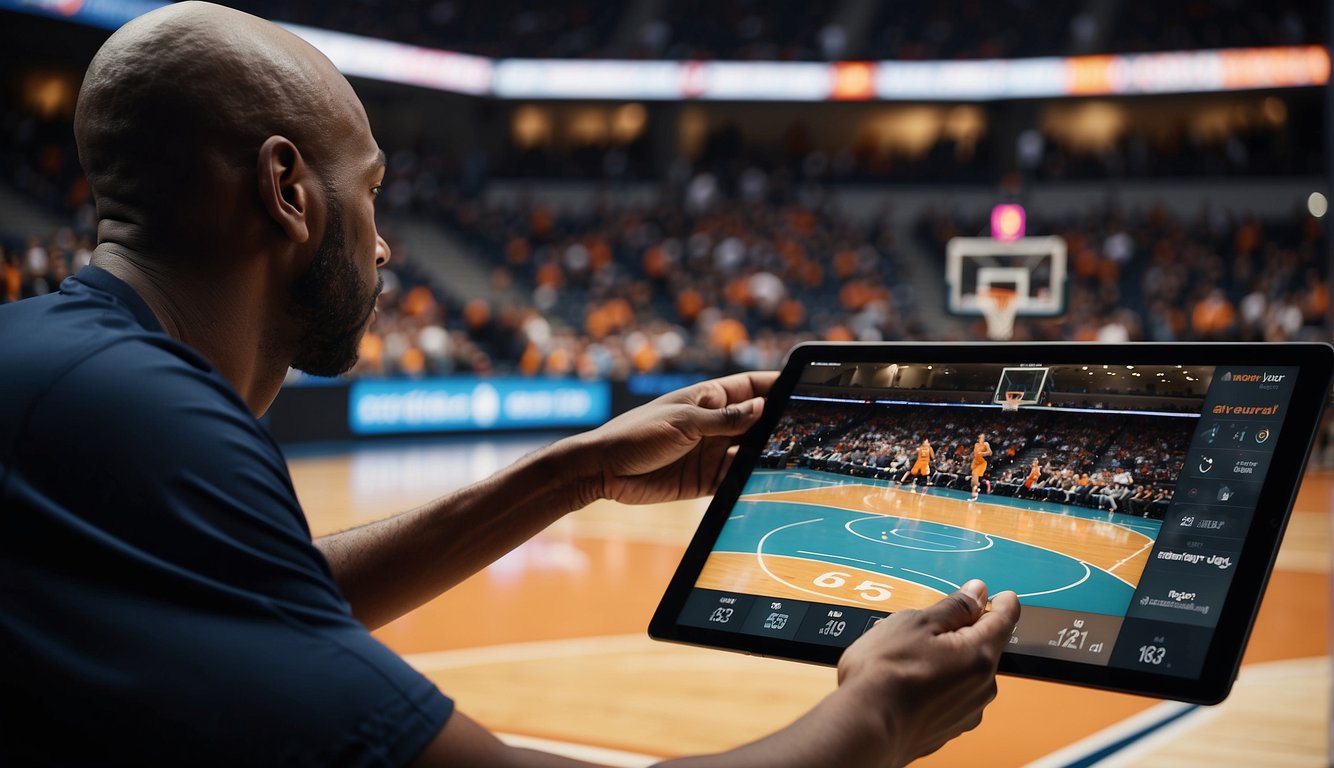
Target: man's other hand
[676, 447]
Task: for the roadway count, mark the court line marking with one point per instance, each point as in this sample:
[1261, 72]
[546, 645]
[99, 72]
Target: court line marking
[895, 531]
[1129, 527]
[948, 536]
[1135, 528]
[804, 478]
[1087, 573]
[838, 557]
[929, 576]
[1114, 576]
[825, 595]
[759, 555]
[817, 561]
[759, 494]
[1126, 742]
[615, 758]
[990, 543]
[1129, 730]
[980, 533]
[1139, 732]
[1129, 557]
[899, 534]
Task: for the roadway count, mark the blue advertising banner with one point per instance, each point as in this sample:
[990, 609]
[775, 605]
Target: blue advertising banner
[466, 403]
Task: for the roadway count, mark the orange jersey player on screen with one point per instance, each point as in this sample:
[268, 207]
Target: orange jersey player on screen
[921, 467]
[980, 453]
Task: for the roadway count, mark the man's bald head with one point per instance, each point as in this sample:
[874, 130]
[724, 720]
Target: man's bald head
[182, 98]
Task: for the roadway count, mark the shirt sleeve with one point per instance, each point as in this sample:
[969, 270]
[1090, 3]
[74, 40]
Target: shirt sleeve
[184, 615]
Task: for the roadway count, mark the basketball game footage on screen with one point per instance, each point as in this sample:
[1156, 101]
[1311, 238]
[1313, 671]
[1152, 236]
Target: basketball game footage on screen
[1115, 500]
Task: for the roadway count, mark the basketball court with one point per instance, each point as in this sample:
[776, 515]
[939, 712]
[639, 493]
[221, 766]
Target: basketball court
[780, 542]
[548, 645]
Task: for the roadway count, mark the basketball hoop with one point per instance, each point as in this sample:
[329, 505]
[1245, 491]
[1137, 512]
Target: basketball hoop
[1012, 401]
[999, 306]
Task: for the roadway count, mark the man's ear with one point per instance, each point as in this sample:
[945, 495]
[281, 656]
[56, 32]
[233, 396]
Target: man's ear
[286, 187]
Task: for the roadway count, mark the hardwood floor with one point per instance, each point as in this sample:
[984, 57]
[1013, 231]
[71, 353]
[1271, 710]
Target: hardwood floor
[547, 646]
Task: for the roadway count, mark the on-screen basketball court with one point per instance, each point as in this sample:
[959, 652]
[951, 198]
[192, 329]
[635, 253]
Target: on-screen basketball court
[900, 548]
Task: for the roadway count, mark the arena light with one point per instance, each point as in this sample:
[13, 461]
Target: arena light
[1317, 205]
[354, 55]
[400, 63]
[765, 81]
[1198, 71]
[1008, 222]
[579, 79]
[854, 81]
[985, 80]
[981, 80]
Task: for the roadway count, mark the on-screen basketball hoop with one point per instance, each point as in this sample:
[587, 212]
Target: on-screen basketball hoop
[1020, 387]
[999, 306]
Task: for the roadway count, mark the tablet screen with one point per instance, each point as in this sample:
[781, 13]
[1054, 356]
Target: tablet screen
[1115, 500]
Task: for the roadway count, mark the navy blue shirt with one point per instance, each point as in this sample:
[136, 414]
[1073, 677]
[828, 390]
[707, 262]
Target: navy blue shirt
[161, 601]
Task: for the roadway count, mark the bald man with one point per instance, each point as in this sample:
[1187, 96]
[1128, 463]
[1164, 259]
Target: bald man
[161, 599]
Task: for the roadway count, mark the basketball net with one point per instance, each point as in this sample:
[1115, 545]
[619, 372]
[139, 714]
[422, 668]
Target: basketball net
[1012, 401]
[999, 306]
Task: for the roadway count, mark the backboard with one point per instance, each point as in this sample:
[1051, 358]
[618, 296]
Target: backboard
[1033, 267]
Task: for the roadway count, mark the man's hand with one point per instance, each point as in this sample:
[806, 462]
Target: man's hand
[929, 673]
[910, 684]
[676, 447]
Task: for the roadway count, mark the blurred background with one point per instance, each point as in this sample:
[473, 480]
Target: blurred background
[638, 195]
[592, 203]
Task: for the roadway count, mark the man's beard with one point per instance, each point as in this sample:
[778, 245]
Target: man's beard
[329, 304]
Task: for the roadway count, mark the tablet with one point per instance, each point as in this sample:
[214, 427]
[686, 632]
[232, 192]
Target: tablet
[1133, 496]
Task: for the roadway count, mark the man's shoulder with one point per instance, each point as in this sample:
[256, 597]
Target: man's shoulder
[83, 353]
[46, 340]
[141, 413]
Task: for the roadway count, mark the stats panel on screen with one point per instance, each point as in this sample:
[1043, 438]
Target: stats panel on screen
[1115, 499]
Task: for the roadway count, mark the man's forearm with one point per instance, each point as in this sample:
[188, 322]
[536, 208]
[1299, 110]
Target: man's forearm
[675, 447]
[387, 568]
[841, 730]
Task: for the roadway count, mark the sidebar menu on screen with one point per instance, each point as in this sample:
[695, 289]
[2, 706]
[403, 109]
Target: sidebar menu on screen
[1175, 608]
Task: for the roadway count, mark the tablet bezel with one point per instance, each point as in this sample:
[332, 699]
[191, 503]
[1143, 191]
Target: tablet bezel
[1315, 363]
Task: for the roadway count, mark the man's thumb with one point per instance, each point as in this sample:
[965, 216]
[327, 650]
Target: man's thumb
[959, 609]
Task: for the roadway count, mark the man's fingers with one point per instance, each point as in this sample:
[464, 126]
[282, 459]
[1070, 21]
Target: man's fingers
[959, 609]
[999, 622]
[729, 420]
[750, 384]
[717, 393]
